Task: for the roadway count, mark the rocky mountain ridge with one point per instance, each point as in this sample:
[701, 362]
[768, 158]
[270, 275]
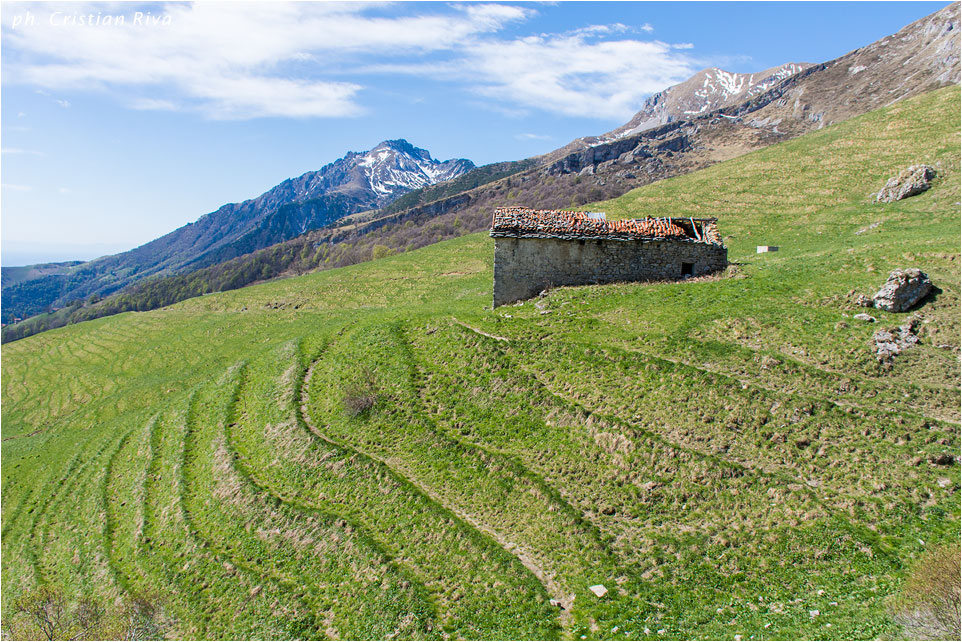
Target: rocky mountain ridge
[359, 181]
[706, 91]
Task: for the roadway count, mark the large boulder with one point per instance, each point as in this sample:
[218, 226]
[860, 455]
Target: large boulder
[903, 290]
[914, 180]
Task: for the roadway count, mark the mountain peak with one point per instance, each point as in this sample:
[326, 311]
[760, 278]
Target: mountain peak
[710, 89]
[393, 167]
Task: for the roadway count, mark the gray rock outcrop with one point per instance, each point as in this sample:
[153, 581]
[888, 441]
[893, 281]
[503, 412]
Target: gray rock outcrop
[914, 180]
[902, 290]
[889, 343]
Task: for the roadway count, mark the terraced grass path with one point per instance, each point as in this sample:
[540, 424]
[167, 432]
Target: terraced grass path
[552, 588]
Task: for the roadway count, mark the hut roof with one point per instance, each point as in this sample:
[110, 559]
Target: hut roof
[522, 222]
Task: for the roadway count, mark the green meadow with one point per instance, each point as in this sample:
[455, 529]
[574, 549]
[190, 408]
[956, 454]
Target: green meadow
[373, 452]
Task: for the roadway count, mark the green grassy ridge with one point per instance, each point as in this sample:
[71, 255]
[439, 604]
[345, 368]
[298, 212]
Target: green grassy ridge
[498, 493]
[597, 411]
[651, 479]
[328, 476]
[321, 575]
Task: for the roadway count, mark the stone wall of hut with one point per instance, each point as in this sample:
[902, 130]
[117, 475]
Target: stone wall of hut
[523, 267]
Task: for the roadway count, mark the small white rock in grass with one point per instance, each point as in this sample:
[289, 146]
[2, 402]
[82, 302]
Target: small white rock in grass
[821, 592]
[738, 638]
[647, 631]
[768, 624]
[599, 590]
[813, 613]
[661, 631]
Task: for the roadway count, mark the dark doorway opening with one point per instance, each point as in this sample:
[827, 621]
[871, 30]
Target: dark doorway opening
[687, 269]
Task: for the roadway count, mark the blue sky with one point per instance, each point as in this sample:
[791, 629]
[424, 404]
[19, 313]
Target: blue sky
[114, 134]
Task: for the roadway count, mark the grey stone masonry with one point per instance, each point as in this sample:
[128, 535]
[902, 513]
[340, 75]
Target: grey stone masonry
[527, 261]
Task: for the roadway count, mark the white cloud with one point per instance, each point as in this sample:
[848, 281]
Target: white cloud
[153, 104]
[683, 45]
[573, 76]
[533, 137]
[16, 188]
[231, 60]
[20, 151]
[63, 103]
[574, 73]
[249, 60]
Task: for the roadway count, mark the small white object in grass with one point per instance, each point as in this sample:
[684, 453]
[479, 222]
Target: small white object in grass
[647, 631]
[661, 631]
[762, 249]
[768, 624]
[614, 629]
[813, 613]
[821, 591]
[738, 638]
[599, 590]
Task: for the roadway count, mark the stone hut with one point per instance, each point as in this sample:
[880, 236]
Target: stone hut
[537, 249]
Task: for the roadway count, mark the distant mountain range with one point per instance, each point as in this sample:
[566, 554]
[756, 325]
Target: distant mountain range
[357, 182]
[713, 116]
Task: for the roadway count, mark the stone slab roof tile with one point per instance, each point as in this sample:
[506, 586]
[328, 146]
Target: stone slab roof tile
[528, 223]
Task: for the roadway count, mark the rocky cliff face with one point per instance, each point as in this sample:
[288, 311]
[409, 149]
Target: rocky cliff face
[706, 91]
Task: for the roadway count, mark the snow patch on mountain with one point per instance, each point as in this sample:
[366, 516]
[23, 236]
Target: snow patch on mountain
[706, 91]
[395, 167]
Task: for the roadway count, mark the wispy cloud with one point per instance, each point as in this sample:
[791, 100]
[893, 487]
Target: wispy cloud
[249, 60]
[574, 76]
[533, 137]
[16, 188]
[20, 151]
[233, 60]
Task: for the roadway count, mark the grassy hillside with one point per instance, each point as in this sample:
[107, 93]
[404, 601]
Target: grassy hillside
[371, 452]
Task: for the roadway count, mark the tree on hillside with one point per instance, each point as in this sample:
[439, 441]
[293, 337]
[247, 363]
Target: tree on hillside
[47, 613]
